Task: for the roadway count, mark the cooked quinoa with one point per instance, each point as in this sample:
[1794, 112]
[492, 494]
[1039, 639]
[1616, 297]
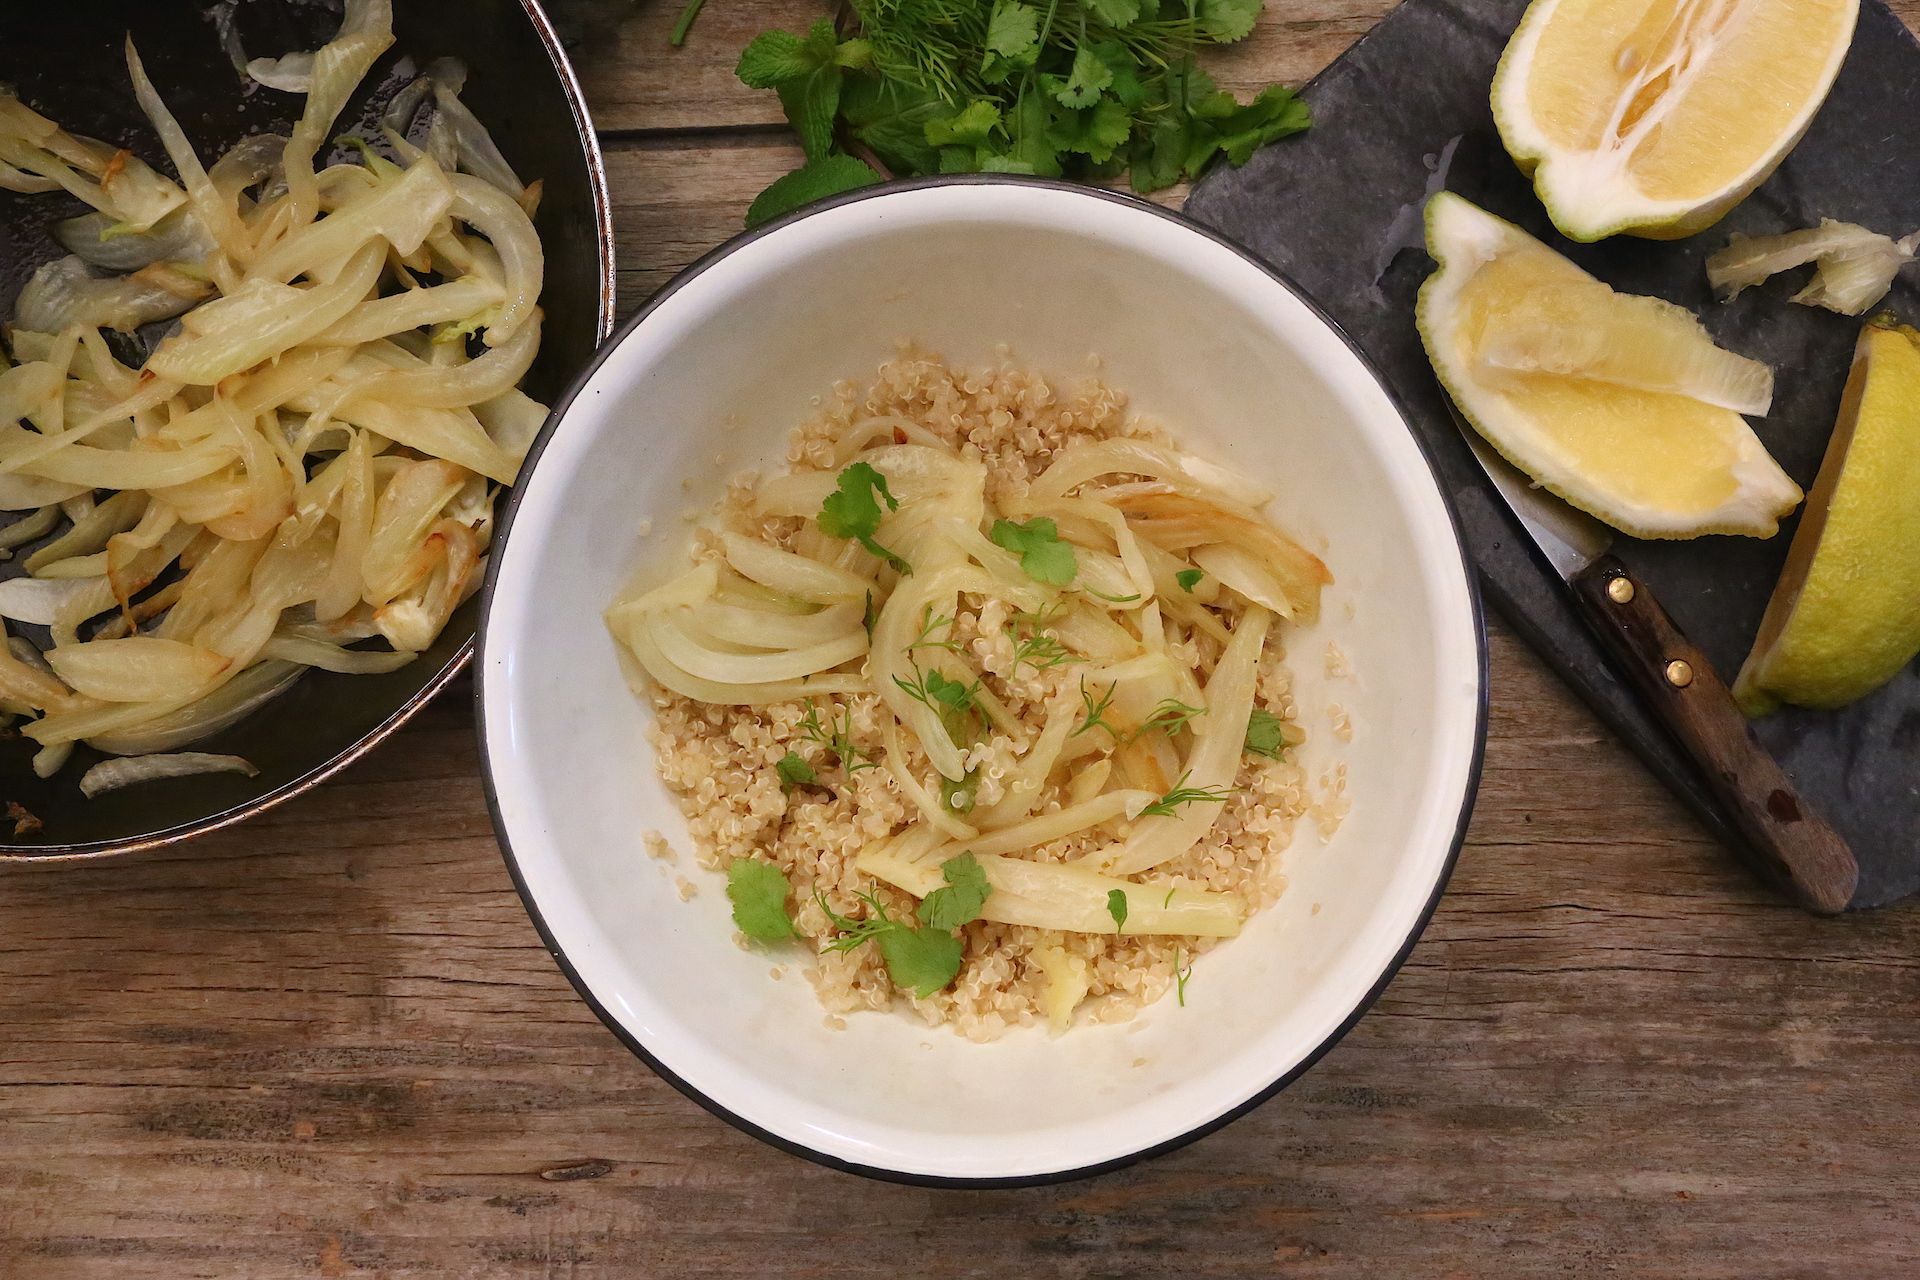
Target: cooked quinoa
[719, 761]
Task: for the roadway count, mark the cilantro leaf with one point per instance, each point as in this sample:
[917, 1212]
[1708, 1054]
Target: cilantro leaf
[1117, 908]
[1115, 13]
[1096, 133]
[1083, 84]
[1043, 556]
[924, 960]
[815, 180]
[758, 892]
[960, 902]
[1241, 130]
[1159, 154]
[970, 127]
[1266, 734]
[1189, 578]
[1227, 20]
[851, 511]
[921, 960]
[1126, 86]
[1013, 29]
[794, 771]
[949, 693]
[1028, 128]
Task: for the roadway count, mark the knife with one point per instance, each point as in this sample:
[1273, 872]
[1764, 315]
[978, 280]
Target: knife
[1788, 842]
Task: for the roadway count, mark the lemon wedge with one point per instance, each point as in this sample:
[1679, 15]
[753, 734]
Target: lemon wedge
[1650, 462]
[1585, 329]
[1655, 117]
[1845, 615]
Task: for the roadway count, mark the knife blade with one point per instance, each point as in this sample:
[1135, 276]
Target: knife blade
[1788, 842]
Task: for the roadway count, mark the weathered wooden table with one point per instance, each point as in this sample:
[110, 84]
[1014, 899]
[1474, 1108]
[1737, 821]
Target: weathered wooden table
[329, 1043]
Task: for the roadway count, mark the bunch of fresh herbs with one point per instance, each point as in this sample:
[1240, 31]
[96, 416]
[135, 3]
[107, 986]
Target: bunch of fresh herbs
[1082, 89]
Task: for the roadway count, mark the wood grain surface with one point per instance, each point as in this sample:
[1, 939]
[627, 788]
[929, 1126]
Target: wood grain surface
[330, 1044]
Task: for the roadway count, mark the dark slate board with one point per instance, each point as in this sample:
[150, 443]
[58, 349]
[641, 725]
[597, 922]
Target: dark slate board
[1337, 209]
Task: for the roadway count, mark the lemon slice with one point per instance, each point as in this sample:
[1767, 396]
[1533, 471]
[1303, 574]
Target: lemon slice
[1650, 463]
[1845, 615]
[1655, 117]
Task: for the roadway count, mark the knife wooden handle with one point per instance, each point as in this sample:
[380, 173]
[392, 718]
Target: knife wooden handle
[1793, 845]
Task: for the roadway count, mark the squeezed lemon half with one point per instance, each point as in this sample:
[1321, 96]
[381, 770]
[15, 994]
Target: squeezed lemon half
[1627, 447]
[1655, 117]
[1845, 616]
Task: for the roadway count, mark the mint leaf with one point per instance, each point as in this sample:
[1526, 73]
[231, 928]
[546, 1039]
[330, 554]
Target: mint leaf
[892, 116]
[1117, 908]
[1189, 578]
[1089, 76]
[758, 892]
[854, 55]
[811, 103]
[1266, 735]
[794, 771]
[960, 902]
[1043, 556]
[921, 960]
[774, 56]
[815, 180]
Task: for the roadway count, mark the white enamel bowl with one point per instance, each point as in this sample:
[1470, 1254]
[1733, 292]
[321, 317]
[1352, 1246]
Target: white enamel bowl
[707, 380]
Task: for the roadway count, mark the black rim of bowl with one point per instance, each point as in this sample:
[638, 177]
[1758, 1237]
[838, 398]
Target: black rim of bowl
[879, 1172]
[34, 855]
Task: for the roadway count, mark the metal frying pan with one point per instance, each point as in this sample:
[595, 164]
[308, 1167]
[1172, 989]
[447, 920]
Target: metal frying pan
[67, 63]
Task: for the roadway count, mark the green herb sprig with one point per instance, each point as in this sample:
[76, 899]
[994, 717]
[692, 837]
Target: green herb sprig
[1169, 716]
[1096, 717]
[1082, 89]
[836, 738]
[852, 511]
[1169, 804]
[923, 958]
[931, 624]
[1035, 646]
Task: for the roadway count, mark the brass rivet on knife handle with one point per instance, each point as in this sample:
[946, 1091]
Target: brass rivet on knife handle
[1791, 843]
